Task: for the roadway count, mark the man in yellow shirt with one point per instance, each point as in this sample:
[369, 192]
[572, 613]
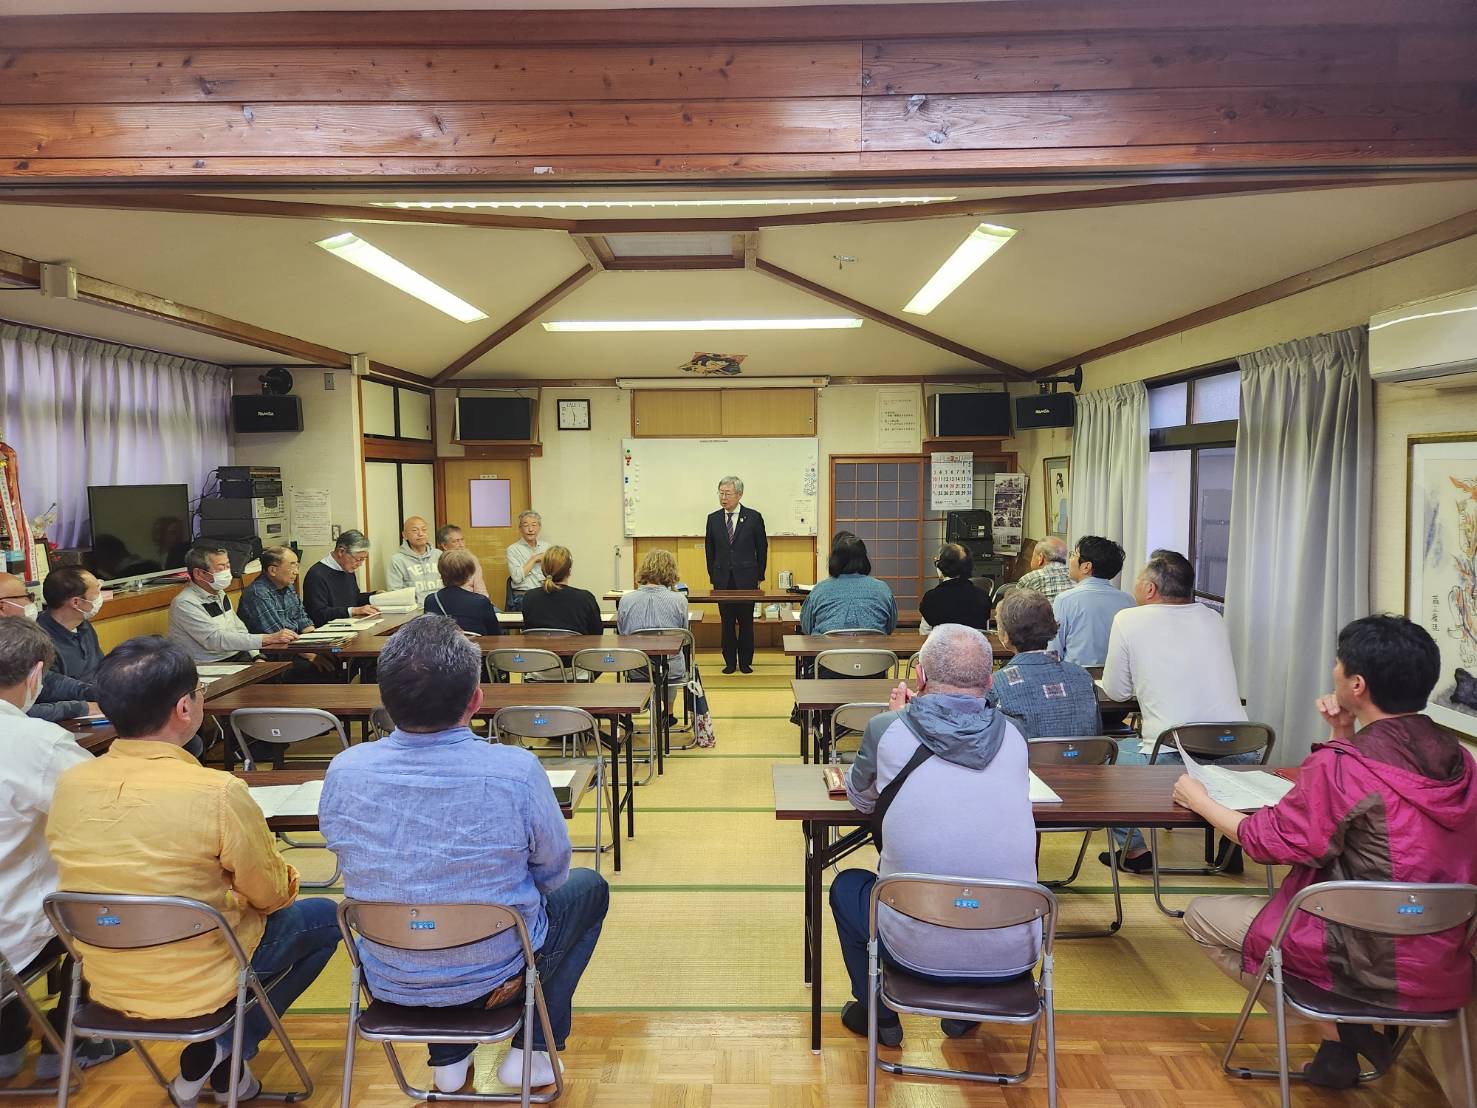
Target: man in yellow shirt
[147, 818]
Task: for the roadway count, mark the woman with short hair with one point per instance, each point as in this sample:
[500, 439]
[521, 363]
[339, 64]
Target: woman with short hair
[459, 598]
[956, 599]
[1047, 697]
[851, 598]
[655, 604]
[558, 605]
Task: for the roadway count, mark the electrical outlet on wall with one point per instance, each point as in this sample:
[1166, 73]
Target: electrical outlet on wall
[328, 385]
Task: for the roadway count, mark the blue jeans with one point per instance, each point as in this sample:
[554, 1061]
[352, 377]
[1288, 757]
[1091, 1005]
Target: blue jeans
[1135, 752]
[300, 939]
[851, 900]
[576, 911]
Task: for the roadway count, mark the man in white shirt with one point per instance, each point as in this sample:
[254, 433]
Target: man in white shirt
[526, 560]
[36, 754]
[1084, 613]
[1173, 655]
[201, 618]
[413, 566]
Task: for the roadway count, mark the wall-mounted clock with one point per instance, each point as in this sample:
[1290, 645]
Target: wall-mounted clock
[574, 415]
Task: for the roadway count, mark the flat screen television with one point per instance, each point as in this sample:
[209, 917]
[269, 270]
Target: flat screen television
[138, 529]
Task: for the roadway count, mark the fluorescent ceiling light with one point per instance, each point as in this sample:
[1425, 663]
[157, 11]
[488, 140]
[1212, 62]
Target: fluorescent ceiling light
[973, 252]
[731, 202]
[374, 261]
[831, 324]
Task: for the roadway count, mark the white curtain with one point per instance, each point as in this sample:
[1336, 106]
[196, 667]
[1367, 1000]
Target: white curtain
[82, 412]
[1300, 526]
[1110, 465]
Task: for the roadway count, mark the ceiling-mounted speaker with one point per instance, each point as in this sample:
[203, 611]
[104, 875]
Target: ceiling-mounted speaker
[1052, 409]
[252, 415]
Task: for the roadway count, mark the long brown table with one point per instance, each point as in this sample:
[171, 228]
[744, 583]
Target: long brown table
[817, 698]
[98, 738]
[583, 771]
[608, 700]
[1092, 796]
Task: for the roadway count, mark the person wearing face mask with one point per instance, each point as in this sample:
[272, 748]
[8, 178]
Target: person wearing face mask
[73, 599]
[37, 753]
[201, 619]
[61, 697]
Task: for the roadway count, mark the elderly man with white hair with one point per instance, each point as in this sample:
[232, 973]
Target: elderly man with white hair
[1048, 574]
[526, 560]
[948, 775]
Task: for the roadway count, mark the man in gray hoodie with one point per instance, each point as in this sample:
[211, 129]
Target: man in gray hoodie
[963, 810]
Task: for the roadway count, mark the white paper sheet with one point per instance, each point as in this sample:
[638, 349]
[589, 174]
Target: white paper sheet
[560, 778]
[288, 800]
[1041, 792]
[1241, 790]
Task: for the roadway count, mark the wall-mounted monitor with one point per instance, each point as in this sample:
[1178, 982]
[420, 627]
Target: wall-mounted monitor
[496, 419]
[971, 415]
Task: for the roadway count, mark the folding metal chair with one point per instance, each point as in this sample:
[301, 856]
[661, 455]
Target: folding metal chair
[966, 905]
[848, 663]
[285, 726]
[626, 664]
[572, 727]
[1209, 741]
[688, 649]
[381, 723]
[533, 662]
[848, 720]
[1095, 750]
[15, 988]
[1388, 908]
[127, 922]
[426, 927]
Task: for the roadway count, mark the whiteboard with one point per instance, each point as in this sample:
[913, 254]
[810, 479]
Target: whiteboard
[671, 485]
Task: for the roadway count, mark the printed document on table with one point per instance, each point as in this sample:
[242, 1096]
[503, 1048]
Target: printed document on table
[1240, 790]
[288, 800]
[1041, 792]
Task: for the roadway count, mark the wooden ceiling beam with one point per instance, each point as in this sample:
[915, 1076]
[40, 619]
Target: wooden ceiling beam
[1392, 250]
[588, 247]
[675, 262]
[866, 311]
[518, 322]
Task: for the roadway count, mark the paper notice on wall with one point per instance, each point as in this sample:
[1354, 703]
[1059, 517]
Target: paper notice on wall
[899, 419]
[1009, 511]
[951, 482]
[312, 517]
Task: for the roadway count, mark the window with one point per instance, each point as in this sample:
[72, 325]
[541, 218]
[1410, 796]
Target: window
[1192, 456]
[392, 412]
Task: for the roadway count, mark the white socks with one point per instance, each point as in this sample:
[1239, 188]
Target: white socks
[450, 1079]
[510, 1073]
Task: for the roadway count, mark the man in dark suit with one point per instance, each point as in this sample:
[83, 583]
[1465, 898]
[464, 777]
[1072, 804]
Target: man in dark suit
[738, 552]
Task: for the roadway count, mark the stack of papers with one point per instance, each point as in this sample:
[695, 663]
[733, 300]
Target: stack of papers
[288, 800]
[1041, 792]
[1240, 790]
[401, 600]
[351, 624]
[323, 637]
[211, 673]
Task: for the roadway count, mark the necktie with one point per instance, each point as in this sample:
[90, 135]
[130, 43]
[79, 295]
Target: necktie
[730, 527]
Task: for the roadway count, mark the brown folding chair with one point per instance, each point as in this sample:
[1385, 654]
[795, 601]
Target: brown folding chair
[16, 988]
[848, 720]
[966, 905]
[572, 727]
[128, 922]
[417, 927]
[533, 662]
[688, 648]
[1209, 741]
[628, 664]
[1389, 908]
[1094, 750]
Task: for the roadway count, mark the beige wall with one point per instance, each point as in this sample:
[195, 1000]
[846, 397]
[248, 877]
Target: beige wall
[325, 454]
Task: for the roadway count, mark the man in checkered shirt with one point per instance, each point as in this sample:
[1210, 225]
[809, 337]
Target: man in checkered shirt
[1048, 574]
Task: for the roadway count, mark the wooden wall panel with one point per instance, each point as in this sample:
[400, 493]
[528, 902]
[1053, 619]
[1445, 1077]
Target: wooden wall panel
[676, 413]
[795, 553]
[304, 73]
[762, 413]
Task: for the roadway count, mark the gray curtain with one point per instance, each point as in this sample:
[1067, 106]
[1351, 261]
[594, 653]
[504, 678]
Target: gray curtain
[1300, 526]
[1110, 466]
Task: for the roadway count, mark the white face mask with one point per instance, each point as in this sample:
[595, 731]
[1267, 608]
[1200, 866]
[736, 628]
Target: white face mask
[33, 692]
[32, 611]
[89, 611]
[221, 580]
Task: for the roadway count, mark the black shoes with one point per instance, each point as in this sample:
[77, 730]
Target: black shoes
[746, 669]
[854, 1018]
[1144, 863]
[1336, 1065]
[729, 669]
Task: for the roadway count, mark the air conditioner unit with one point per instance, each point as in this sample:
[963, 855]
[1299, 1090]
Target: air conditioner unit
[1431, 338]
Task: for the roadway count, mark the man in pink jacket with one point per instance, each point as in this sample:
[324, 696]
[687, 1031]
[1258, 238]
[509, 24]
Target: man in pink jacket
[1392, 801]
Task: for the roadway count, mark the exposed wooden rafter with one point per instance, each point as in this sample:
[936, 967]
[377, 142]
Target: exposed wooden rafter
[518, 322]
[866, 311]
[1392, 250]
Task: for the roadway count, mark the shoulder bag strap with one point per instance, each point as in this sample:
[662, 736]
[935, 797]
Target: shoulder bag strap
[889, 794]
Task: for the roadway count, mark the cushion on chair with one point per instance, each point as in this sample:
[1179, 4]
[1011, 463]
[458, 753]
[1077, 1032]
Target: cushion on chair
[1311, 996]
[427, 1024]
[109, 1023]
[1012, 999]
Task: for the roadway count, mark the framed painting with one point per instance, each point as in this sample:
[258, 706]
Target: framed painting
[1441, 566]
[1056, 496]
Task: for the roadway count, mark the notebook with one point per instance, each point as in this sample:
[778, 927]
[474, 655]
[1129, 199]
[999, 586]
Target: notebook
[288, 800]
[1241, 790]
[1041, 792]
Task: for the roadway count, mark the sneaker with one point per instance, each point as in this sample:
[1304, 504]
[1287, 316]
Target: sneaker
[451, 1078]
[12, 1063]
[541, 1071]
[854, 1019]
[88, 1052]
[196, 1063]
[247, 1088]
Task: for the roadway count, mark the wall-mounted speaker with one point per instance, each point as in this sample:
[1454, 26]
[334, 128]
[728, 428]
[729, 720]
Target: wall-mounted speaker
[1052, 409]
[256, 414]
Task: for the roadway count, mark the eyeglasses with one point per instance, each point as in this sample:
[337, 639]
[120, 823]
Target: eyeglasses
[18, 598]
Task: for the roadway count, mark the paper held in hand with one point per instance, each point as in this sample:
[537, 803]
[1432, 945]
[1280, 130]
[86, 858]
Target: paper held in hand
[288, 800]
[1239, 790]
[397, 602]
